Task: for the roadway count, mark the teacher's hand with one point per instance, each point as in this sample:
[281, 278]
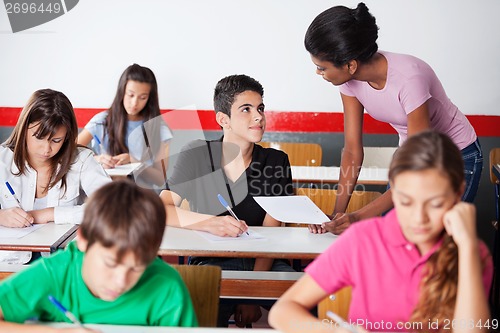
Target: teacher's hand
[339, 223]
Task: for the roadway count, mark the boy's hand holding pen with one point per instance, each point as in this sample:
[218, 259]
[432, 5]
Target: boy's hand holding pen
[70, 316]
[226, 205]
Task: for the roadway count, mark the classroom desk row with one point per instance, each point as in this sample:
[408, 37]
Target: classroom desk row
[277, 242]
[150, 329]
[331, 175]
[300, 174]
[47, 238]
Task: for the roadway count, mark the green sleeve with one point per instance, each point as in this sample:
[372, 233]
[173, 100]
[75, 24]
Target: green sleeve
[22, 293]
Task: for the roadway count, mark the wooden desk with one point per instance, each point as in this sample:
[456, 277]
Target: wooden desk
[48, 238]
[151, 329]
[331, 175]
[280, 242]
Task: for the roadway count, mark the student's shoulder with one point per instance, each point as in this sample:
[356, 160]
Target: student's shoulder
[99, 117]
[83, 153]
[160, 268]
[195, 147]
[6, 154]
[162, 273]
[269, 154]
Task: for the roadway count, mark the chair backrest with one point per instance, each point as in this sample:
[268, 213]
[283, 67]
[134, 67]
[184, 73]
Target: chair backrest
[299, 153]
[494, 159]
[203, 283]
[378, 157]
[325, 200]
[4, 275]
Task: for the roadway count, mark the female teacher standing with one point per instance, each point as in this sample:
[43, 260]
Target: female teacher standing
[398, 89]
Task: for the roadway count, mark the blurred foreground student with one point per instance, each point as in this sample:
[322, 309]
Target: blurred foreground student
[236, 168]
[43, 175]
[132, 130]
[110, 275]
[421, 263]
[398, 89]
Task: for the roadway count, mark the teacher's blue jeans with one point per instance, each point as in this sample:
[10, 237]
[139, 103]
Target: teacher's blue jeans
[473, 162]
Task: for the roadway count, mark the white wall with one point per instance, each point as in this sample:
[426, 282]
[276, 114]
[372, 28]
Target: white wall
[191, 44]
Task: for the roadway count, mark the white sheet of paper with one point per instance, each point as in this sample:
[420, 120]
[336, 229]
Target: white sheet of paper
[292, 209]
[6, 232]
[243, 236]
[123, 170]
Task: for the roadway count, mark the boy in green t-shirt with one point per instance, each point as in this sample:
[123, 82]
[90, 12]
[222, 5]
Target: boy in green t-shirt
[110, 275]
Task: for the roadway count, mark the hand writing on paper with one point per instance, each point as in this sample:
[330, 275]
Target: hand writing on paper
[15, 218]
[121, 159]
[246, 314]
[107, 161]
[225, 226]
[339, 223]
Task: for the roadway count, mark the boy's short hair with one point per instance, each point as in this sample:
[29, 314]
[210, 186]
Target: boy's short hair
[230, 86]
[123, 215]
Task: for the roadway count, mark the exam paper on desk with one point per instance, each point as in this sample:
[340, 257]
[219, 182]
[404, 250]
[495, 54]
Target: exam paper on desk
[123, 170]
[214, 238]
[292, 209]
[6, 232]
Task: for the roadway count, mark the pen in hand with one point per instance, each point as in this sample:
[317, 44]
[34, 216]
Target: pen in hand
[341, 322]
[11, 190]
[226, 205]
[68, 314]
[102, 151]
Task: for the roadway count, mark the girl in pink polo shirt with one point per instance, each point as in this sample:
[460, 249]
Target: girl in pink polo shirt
[397, 89]
[418, 268]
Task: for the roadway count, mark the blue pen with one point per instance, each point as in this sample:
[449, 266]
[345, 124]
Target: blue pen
[11, 190]
[225, 204]
[101, 147]
[68, 314]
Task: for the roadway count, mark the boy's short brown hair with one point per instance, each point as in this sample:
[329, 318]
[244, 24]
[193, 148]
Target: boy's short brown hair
[121, 214]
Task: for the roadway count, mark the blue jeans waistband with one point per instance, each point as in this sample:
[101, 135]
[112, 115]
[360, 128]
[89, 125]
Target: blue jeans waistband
[473, 147]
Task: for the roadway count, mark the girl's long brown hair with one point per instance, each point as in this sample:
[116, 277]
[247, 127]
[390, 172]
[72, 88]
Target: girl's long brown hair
[51, 110]
[438, 287]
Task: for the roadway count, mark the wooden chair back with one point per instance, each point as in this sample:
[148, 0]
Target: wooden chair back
[494, 159]
[203, 283]
[4, 275]
[299, 153]
[325, 199]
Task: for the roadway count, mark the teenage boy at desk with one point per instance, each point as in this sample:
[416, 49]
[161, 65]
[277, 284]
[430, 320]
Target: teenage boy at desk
[238, 169]
[110, 275]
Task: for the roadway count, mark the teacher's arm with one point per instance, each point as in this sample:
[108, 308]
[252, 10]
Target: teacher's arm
[352, 154]
[419, 120]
